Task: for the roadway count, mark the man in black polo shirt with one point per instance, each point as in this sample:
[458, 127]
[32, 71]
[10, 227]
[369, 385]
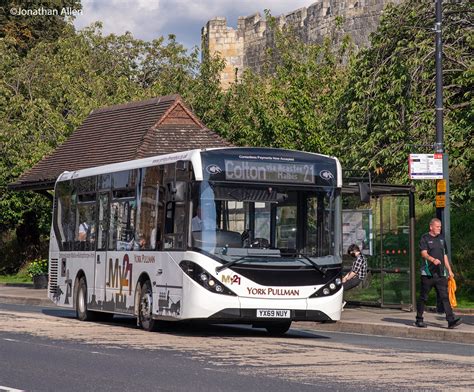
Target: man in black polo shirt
[433, 273]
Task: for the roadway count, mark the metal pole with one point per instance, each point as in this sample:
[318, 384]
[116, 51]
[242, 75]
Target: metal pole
[443, 212]
[439, 79]
[412, 249]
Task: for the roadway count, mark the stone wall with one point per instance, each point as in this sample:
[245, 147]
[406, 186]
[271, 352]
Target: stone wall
[245, 46]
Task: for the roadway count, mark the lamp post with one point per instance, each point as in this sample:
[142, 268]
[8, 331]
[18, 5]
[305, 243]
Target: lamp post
[442, 211]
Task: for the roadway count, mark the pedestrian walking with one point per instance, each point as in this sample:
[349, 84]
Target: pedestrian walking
[434, 269]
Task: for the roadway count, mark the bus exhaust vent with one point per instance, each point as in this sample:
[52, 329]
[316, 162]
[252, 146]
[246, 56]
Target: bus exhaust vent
[53, 275]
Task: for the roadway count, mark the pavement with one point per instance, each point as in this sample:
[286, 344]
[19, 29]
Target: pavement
[355, 319]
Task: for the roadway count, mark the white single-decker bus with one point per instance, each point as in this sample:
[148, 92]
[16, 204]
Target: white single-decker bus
[225, 235]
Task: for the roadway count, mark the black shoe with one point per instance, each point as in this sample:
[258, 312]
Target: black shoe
[420, 324]
[454, 323]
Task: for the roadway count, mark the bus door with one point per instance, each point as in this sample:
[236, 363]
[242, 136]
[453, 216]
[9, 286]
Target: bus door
[101, 252]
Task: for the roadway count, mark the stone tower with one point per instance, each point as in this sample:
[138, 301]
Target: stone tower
[245, 46]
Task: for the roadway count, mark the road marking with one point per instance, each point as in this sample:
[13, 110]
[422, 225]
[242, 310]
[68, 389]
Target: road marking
[10, 340]
[8, 389]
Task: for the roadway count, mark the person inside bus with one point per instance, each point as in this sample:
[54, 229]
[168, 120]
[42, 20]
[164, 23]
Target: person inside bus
[84, 231]
[358, 271]
[200, 222]
[140, 244]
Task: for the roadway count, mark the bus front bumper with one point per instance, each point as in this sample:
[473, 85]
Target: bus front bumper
[232, 315]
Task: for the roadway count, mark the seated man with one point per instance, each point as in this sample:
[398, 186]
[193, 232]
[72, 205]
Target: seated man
[358, 270]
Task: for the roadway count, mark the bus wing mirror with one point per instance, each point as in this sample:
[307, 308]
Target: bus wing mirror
[364, 192]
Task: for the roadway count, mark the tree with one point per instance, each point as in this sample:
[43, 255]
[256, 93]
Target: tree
[293, 103]
[389, 107]
[24, 24]
[48, 91]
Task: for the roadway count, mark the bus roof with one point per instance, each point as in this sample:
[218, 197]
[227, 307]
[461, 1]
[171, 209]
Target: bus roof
[194, 156]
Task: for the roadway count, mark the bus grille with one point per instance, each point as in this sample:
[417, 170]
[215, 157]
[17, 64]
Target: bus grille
[53, 275]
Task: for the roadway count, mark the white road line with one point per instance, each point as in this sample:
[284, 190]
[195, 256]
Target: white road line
[8, 389]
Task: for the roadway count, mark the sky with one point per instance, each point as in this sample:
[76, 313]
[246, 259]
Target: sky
[150, 19]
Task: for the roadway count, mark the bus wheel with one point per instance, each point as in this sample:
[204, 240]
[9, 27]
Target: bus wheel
[145, 308]
[278, 329]
[82, 312]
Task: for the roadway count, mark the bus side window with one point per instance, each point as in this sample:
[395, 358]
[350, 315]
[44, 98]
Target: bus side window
[147, 219]
[103, 221]
[123, 209]
[86, 214]
[175, 211]
[160, 218]
[65, 213]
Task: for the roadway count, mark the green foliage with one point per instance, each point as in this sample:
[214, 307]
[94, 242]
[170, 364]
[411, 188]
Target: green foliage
[369, 109]
[48, 91]
[462, 238]
[292, 103]
[25, 31]
[389, 107]
[15, 279]
[37, 267]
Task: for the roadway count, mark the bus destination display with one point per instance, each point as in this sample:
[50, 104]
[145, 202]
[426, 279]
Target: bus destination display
[269, 172]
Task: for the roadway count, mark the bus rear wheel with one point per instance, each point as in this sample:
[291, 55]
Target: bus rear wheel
[278, 329]
[82, 313]
[145, 308]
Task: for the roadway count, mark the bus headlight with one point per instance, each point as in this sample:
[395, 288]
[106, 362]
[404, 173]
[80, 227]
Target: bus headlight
[329, 288]
[204, 278]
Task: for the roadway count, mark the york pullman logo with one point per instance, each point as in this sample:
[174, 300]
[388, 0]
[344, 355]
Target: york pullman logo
[277, 292]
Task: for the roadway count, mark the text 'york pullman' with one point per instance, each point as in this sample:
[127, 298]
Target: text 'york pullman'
[273, 291]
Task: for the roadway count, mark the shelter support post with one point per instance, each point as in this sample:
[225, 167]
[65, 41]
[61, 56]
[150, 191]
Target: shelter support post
[412, 249]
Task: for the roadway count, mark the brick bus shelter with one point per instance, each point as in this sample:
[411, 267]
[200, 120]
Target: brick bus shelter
[121, 133]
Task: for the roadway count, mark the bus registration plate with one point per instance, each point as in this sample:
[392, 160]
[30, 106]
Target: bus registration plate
[273, 313]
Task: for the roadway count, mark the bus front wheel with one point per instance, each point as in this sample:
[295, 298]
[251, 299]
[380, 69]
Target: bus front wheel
[145, 308]
[82, 312]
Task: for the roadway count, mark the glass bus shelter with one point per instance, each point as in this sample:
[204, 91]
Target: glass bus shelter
[383, 225]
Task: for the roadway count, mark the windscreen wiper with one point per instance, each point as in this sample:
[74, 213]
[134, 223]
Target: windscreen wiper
[315, 265]
[229, 264]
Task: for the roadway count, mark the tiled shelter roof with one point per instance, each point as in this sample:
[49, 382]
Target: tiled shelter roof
[120, 133]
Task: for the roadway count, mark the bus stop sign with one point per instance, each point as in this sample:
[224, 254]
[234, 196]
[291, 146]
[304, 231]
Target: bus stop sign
[425, 166]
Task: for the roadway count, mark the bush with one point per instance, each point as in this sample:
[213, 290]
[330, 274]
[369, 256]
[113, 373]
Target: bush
[37, 267]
